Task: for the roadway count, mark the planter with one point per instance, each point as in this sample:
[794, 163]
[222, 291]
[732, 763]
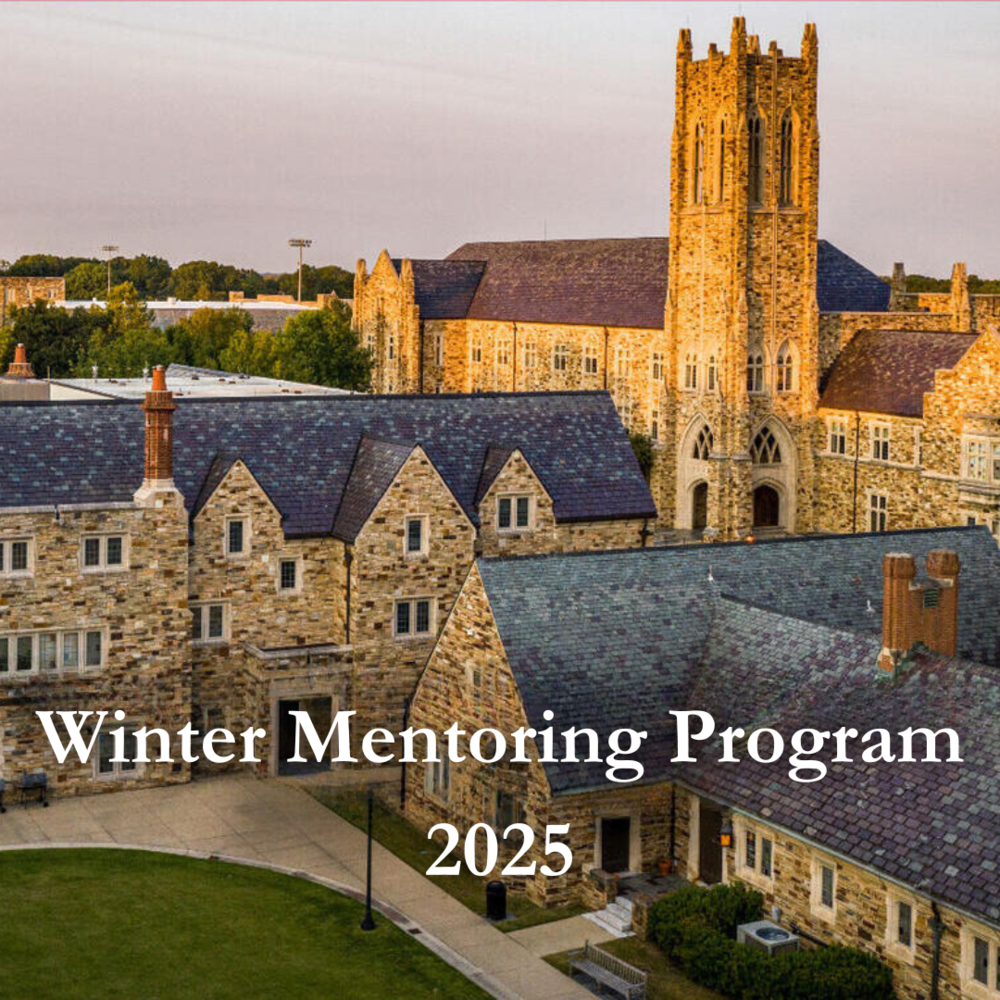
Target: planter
[665, 866]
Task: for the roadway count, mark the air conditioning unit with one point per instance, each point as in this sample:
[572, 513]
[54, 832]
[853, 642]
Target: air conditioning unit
[766, 935]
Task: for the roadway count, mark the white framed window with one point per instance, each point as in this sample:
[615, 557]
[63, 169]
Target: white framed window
[416, 535]
[530, 354]
[878, 511]
[836, 436]
[980, 963]
[476, 351]
[237, 537]
[623, 361]
[108, 769]
[590, 359]
[414, 618]
[290, 571]
[515, 512]
[560, 357]
[103, 553]
[900, 924]
[754, 853]
[53, 651]
[881, 435]
[17, 557]
[656, 369]
[503, 353]
[437, 778]
[210, 622]
[691, 372]
[711, 373]
[755, 371]
[823, 894]
[981, 460]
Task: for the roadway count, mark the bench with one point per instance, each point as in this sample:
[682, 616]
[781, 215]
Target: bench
[609, 972]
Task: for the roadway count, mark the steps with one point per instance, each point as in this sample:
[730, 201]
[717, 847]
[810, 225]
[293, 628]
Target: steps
[616, 918]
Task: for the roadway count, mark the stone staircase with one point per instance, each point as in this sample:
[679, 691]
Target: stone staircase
[615, 918]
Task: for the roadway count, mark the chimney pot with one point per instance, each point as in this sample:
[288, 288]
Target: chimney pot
[159, 406]
[20, 367]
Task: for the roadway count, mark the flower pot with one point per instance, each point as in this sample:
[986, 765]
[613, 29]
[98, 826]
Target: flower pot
[665, 866]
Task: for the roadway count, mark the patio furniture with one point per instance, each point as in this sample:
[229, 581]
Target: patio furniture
[609, 972]
[34, 783]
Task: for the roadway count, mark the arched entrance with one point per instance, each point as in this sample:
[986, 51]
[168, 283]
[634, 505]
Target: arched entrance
[699, 507]
[766, 507]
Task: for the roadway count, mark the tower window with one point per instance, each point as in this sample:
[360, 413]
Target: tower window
[755, 160]
[698, 191]
[590, 359]
[878, 511]
[691, 372]
[785, 368]
[711, 373]
[703, 444]
[623, 361]
[755, 370]
[721, 163]
[786, 185]
[765, 449]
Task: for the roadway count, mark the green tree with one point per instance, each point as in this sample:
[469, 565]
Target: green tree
[207, 279]
[319, 346]
[128, 343]
[202, 338]
[250, 352]
[56, 339]
[315, 281]
[149, 274]
[45, 265]
[88, 280]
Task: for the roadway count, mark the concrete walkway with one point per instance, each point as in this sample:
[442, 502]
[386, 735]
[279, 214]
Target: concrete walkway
[560, 935]
[275, 823]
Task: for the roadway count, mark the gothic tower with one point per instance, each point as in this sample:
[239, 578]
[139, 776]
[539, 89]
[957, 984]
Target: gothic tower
[741, 310]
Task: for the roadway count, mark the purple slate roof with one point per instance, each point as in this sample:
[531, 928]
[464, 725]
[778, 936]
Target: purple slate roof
[888, 371]
[444, 289]
[375, 466]
[302, 449]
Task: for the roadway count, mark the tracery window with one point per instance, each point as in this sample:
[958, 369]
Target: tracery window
[703, 444]
[786, 177]
[765, 449]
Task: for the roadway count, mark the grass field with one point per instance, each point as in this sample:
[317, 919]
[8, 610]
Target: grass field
[409, 844]
[131, 924]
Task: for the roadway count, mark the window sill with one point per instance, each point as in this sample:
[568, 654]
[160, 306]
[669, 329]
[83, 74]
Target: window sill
[119, 776]
[197, 643]
[18, 575]
[823, 913]
[751, 875]
[902, 953]
[101, 570]
[413, 638]
[416, 556]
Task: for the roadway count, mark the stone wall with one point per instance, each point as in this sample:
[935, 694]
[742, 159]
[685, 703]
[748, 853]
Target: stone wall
[17, 291]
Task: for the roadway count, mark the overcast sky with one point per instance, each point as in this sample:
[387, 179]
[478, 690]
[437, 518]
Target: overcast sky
[218, 131]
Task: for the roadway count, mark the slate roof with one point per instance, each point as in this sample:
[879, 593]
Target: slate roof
[602, 282]
[496, 458]
[375, 466]
[302, 449]
[888, 371]
[784, 633]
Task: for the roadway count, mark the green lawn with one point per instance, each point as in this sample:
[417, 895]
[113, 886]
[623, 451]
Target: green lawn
[409, 844]
[131, 924]
[665, 981]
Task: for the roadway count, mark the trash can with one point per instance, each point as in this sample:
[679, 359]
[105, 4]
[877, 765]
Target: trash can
[496, 900]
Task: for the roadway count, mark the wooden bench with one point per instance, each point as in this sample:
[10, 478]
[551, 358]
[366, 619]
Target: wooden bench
[608, 971]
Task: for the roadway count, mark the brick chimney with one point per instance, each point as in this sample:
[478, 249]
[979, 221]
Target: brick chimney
[923, 611]
[159, 406]
[20, 367]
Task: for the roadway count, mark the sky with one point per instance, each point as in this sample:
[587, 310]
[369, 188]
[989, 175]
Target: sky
[219, 131]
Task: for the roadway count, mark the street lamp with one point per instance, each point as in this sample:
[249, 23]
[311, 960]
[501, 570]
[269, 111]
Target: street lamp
[368, 924]
[109, 249]
[300, 243]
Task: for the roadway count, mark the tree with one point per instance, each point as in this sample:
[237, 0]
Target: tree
[149, 274]
[250, 352]
[88, 280]
[56, 339]
[45, 265]
[206, 279]
[128, 343]
[315, 281]
[202, 338]
[320, 346]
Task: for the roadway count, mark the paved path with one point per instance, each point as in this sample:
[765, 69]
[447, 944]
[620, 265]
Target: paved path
[561, 935]
[276, 823]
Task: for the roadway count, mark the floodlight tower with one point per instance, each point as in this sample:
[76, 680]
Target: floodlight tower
[109, 249]
[300, 243]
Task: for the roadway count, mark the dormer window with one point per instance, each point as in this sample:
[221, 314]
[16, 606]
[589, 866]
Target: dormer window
[237, 537]
[103, 553]
[515, 513]
[16, 557]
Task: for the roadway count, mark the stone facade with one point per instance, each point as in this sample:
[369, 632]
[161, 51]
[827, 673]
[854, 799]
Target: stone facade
[18, 291]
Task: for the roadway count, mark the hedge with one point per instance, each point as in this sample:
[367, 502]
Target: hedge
[696, 928]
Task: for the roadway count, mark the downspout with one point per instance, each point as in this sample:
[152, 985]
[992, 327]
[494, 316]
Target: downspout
[348, 559]
[857, 452]
[420, 363]
[605, 359]
[937, 929]
[673, 825]
[513, 361]
[402, 763]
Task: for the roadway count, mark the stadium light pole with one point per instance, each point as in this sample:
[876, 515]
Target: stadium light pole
[300, 243]
[109, 249]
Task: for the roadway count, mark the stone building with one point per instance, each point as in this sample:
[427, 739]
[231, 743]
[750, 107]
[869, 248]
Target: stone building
[718, 342]
[869, 631]
[22, 291]
[280, 552]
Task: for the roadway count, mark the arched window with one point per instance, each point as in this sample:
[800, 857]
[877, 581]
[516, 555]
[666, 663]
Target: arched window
[691, 372]
[765, 449]
[623, 361]
[503, 352]
[755, 370]
[711, 374]
[755, 159]
[590, 358]
[786, 178]
[703, 444]
[698, 189]
[784, 374]
[720, 172]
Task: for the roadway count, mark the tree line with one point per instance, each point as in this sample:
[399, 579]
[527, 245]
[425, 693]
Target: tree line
[153, 277]
[122, 341]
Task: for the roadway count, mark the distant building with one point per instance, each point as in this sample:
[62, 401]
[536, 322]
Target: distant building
[22, 291]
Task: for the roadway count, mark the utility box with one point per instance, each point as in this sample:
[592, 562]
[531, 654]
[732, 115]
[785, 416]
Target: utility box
[765, 935]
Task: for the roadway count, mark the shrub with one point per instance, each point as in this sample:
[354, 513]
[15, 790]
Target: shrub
[696, 928]
[642, 445]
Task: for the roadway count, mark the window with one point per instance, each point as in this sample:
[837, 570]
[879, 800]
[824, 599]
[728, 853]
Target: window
[476, 354]
[105, 766]
[880, 442]
[827, 875]
[766, 857]
[786, 178]
[623, 361]
[391, 345]
[624, 404]
[698, 163]
[654, 425]
[765, 449]
[507, 808]
[980, 963]
[514, 513]
[703, 444]
[52, 651]
[590, 359]
[711, 373]
[656, 366]
[437, 778]
[530, 354]
[560, 357]
[878, 511]
[837, 440]
[750, 850]
[210, 622]
[414, 618]
[503, 353]
[103, 553]
[416, 535]
[981, 460]
[755, 159]
[823, 896]
[237, 537]
[691, 372]
[720, 165]
[438, 349]
[16, 557]
[785, 368]
[289, 576]
[755, 370]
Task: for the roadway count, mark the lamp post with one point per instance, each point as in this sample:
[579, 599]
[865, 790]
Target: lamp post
[109, 249]
[300, 243]
[368, 924]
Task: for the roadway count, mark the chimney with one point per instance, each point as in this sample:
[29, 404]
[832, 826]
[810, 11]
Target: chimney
[916, 611]
[19, 367]
[159, 406]
[961, 308]
[898, 287]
